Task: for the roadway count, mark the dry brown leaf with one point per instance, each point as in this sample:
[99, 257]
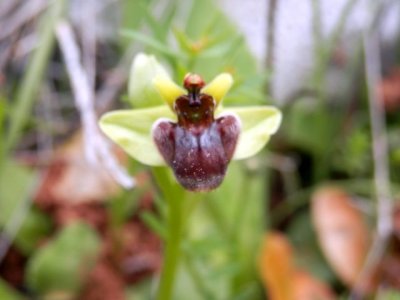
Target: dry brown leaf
[281, 278]
[342, 232]
[307, 287]
[389, 90]
[71, 179]
[103, 282]
[276, 266]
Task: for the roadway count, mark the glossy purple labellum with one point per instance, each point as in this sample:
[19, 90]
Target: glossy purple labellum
[198, 147]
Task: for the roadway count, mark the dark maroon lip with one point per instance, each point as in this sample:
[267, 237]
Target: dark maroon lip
[197, 147]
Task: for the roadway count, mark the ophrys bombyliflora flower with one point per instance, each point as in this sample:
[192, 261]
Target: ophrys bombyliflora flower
[192, 133]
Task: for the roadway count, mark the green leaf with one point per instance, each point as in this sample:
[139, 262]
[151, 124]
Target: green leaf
[222, 49]
[310, 126]
[132, 15]
[388, 294]
[16, 183]
[3, 108]
[35, 227]
[131, 129]
[8, 293]
[151, 42]
[141, 290]
[258, 124]
[154, 223]
[63, 263]
[183, 40]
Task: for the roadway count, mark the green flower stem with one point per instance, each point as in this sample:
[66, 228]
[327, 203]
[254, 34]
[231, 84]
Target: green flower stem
[174, 195]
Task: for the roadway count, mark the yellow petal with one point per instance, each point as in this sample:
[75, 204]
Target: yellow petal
[219, 86]
[168, 89]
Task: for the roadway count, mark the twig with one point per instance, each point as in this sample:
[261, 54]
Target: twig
[26, 45]
[317, 26]
[269, 63]
[324, 47]
[380, 156]
[6, 53]
[6, 7]
[88, 17]
[339, 27]
[97, 149]
[28, 11]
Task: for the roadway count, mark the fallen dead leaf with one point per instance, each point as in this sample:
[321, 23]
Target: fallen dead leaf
[280, 276]
[307, 287]
[342, 232]
[71, 179]
[103, 282]
[389, 90]
[276, 266]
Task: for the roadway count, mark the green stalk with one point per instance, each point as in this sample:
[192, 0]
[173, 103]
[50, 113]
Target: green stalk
[172, 252]
[29, 87]
[2, 131]
[174, 195]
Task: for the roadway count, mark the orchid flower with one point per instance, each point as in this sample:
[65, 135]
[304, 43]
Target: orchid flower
[187, 128]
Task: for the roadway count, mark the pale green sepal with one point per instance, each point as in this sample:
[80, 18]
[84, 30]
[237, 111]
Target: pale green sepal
[141, 90]
[168, 89]
[219, 86]
[258, 124]
[131, 129]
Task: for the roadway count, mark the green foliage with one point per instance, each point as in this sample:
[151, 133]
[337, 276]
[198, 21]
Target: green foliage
[308, 255]
[16, 184]
[125, 205]
[206, 46]
[388, 294]
[354, 156]
[63, 263]
[8, 293]
[35, 227]
[302, 130]
[222, 236]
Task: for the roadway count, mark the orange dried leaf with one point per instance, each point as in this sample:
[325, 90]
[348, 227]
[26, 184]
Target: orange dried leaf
[280, 276]
[276, 266]
[306, 287]
[342, 232]
[389, 90]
